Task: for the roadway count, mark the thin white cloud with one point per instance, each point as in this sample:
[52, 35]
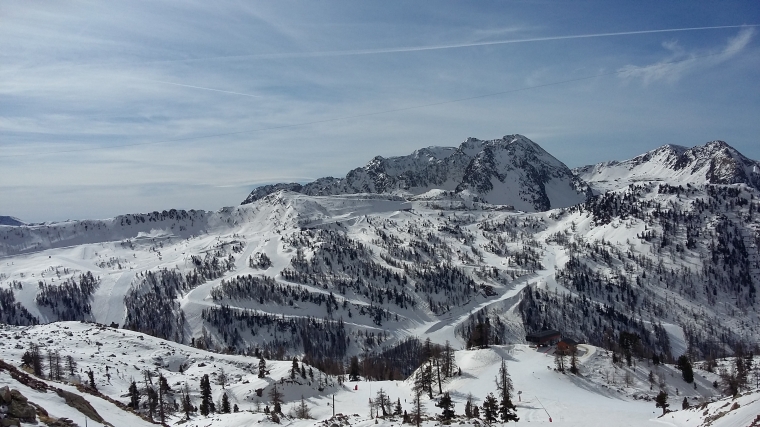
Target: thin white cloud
[679, 61]
[202, 88]
[333, 53]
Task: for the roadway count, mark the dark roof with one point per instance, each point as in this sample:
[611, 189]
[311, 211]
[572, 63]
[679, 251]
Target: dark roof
[543, 334]
[570, 341]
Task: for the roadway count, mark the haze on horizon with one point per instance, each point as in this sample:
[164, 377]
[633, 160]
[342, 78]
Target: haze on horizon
[118, 107]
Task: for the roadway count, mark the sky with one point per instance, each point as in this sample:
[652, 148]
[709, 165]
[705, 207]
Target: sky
[117, 107]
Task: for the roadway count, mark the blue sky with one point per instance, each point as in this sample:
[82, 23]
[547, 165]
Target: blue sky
[115, 107]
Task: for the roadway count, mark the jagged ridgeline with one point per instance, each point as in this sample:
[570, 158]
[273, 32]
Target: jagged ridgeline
[479, 244]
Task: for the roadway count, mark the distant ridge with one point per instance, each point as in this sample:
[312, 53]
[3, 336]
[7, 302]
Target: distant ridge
[12, 221]
[713, 163]
[512, 171]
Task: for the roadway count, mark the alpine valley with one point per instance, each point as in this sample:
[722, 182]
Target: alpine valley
[439, 262]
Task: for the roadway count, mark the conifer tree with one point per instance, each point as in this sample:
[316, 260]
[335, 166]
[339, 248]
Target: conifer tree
[161, 399]
[383, 402]
[661, 401]
[262, 368]
[449, 360]
[302, 410]
[490, 409]
[33, 359]
[559, 360]
[91, 376]
[397, 408]
[225, 404]
[353, 369]
[684, 366]
[447, 406]
[507, 409]
[574, 361]
[134, 396]
[207, 403]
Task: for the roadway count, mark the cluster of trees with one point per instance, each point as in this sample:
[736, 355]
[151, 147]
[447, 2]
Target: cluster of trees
[597, 323]
[35, 360]
[442, 285]
[265, 290]
[492, 410]
[152, 305]
[259, 260]
[426, 248]
[317, 339]
[160, 400]
[12, 312]
[394, 363]
[481, 331]
[348, 268]
[710, 223]
[341, 263]
[438, 367]
[69, 300]
[736, 377]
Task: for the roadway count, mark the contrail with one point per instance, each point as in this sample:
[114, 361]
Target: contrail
[200, 87]
[454, 45]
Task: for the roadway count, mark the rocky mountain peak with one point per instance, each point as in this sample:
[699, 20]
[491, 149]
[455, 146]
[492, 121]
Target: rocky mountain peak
[512, 170]
[715, 162]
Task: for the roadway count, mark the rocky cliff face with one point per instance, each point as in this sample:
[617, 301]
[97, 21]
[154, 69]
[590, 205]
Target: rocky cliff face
[512, 170]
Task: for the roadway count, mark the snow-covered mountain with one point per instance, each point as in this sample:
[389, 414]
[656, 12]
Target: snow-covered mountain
[713, 163]
[9, 220]
[664, 262]
[509, 171]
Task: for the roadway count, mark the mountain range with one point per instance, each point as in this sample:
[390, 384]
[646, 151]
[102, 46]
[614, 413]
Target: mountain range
[472, 246]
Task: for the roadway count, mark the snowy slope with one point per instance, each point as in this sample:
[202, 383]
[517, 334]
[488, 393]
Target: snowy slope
[596, 397]
[713, 163]
[499, 253]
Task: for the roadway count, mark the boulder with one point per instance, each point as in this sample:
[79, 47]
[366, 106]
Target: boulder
[81, 404]
[16, 407]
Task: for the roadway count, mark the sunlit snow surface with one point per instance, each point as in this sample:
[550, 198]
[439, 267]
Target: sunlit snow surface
[598, 397]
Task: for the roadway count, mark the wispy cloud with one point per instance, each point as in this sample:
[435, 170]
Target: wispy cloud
[407, 49]
[680, 61]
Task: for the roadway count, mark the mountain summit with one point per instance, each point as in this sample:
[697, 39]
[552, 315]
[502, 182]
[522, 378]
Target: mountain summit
[512, 170]
[713, 163]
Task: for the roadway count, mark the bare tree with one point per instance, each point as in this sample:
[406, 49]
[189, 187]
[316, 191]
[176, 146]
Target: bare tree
[222, 378]
[418, 409]
[275, 396]
[383, 402]
[302, 410]
[71, 365]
